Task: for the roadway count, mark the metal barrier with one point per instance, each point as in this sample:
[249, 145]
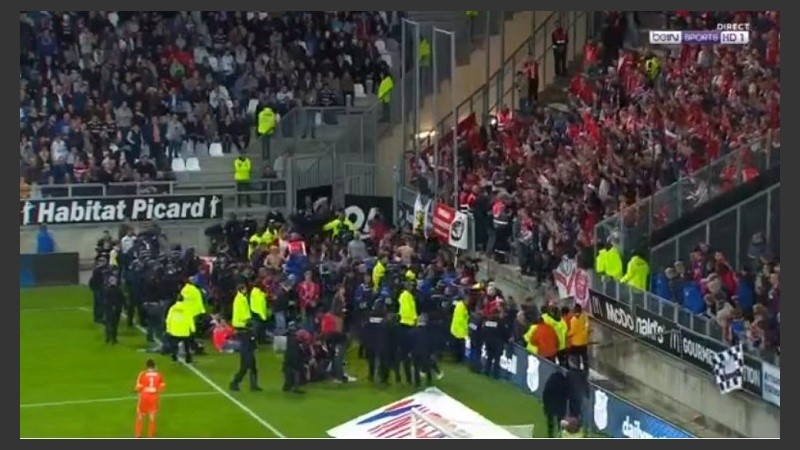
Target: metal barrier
[730, 231]
[636, 223]
[671, 312]
[100, 190]
[331, 146]
[501, 88]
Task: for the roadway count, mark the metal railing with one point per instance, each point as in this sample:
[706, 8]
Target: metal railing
[672, 312]
[39, 191]
[502, 87]
[635, 224]
[730, 231]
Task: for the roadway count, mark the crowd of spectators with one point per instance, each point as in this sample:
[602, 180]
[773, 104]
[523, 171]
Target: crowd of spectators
[112, 96]
[637, 121]
[745, 303]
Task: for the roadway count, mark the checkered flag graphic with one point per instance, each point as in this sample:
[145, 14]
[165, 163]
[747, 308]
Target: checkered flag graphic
[729, 368]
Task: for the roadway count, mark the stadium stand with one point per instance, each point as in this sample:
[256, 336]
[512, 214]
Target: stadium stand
[115, 97]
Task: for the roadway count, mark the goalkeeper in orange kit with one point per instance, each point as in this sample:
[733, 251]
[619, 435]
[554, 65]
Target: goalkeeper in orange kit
[149, 385]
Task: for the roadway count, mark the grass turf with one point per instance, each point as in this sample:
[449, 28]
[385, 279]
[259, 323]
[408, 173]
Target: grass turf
[74, 385]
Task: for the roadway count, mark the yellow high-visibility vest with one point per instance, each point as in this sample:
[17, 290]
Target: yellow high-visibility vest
[241, 169]
[266, 121]
[385, 89]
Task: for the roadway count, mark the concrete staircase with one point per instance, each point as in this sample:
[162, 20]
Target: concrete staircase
[469, 77]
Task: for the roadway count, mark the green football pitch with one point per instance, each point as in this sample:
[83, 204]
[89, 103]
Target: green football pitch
[74, 385]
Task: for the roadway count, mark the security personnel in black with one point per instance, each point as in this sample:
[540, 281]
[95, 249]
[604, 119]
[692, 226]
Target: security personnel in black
[422, 351]
[247, 360]
[113, 301]
[578, 386]
[97, 285]
[393, 336]
[376, 342]
[555, 396]
[495, 336]
[475, 341]
[292, 361]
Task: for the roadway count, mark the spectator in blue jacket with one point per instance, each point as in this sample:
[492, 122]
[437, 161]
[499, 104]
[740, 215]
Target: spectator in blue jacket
[44, 241]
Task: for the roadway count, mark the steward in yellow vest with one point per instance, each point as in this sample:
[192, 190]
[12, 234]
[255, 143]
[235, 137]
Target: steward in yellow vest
[241, 309]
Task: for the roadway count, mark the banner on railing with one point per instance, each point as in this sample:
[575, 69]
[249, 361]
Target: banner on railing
[611, 415]
[443, 217]
[669, 337]
[361, 209]
[771, 385]
[459, 231]
[572, 282]
[65, 211]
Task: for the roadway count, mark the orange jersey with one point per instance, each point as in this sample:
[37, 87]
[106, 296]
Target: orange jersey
[149, 384]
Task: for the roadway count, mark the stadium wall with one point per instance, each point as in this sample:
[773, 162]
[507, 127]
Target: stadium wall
[52, 269]
[646, 369]
[81, 239]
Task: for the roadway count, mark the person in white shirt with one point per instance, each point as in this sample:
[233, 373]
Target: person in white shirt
[127, 241]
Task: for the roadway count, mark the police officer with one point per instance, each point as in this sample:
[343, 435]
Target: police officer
[375, 338]
[113, 301]
[459, 329]
[180, 328]
[475, 341]
[247, 360]
[240, 319]
[393, 338]
[494, 338]
[97, 284]
[422, 351]
[407, 312]
[292, 361]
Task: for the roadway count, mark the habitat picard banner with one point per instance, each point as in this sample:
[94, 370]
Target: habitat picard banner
[65, 211]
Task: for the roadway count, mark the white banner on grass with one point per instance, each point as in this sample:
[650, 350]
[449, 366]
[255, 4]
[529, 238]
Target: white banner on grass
[427, 414]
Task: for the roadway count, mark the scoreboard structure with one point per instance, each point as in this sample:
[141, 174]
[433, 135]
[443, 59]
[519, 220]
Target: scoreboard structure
[726, 34]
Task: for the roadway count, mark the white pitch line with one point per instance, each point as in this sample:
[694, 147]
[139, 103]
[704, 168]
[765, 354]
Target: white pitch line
[225, 394]
[111, 400]
[58, 308]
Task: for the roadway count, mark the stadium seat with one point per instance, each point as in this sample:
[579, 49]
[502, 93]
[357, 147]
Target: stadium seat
[215, 150]
[348, 59]
[192, 164]
[359, 91]
[387, 58]
[178, 165]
